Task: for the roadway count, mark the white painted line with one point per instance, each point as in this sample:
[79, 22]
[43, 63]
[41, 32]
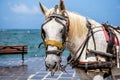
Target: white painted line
[60, 75]
[46, 76]
[31, 76]
[74, 74]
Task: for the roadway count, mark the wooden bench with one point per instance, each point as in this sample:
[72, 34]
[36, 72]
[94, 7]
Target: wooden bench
[16, 49]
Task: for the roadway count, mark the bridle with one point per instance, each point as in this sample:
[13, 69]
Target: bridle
[59, 45]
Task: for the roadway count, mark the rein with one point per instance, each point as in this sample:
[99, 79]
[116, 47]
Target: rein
[82, 46]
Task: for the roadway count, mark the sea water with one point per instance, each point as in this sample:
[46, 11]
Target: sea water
[30, 37]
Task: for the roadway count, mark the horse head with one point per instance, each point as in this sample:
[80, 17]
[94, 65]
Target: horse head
[53, 32]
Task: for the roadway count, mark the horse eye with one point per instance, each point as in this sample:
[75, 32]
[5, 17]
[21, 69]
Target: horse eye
[43, 33]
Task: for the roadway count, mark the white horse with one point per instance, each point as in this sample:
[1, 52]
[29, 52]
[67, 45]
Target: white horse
[62, 29]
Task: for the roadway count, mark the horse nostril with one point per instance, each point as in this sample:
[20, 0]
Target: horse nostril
[51, 66]
[55, 65]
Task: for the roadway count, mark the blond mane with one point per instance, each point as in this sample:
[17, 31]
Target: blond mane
[77, 24]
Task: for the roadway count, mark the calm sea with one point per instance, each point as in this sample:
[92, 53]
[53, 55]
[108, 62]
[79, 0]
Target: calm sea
[30, 37]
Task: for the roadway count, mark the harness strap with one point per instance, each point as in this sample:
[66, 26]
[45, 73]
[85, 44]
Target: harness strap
[82, 47]
[53, 43]
[90, 27]
[106, 34]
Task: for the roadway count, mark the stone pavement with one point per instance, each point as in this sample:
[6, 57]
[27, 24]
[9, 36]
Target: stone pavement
[33, 69]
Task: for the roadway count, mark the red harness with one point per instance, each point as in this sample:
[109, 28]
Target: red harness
[116, 41]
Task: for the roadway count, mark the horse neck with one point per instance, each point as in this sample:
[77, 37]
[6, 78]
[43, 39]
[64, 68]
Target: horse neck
[77, 32]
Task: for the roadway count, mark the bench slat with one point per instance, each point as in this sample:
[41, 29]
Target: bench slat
[12, 52]
[17, 49]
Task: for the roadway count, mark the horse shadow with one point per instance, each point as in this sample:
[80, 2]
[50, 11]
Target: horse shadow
[13, 70]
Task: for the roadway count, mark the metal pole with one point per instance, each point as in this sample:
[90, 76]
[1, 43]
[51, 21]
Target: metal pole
[23, 55]
[101, 53]
[118, 56]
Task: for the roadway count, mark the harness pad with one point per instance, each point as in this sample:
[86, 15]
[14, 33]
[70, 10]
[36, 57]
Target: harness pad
[107, 37]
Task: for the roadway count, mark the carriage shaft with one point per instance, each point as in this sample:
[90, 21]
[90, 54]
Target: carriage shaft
[101, 53]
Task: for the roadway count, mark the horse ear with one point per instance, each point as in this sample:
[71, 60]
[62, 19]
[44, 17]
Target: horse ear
[62, 6]
[43, 8]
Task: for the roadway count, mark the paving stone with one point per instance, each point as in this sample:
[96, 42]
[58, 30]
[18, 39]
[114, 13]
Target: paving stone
[37, 77]
[44, 73]
[55, 76]
[65, 78]
[7, 78]
[50, 79]
[76, 78]
[33, 69]
[67, 75]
